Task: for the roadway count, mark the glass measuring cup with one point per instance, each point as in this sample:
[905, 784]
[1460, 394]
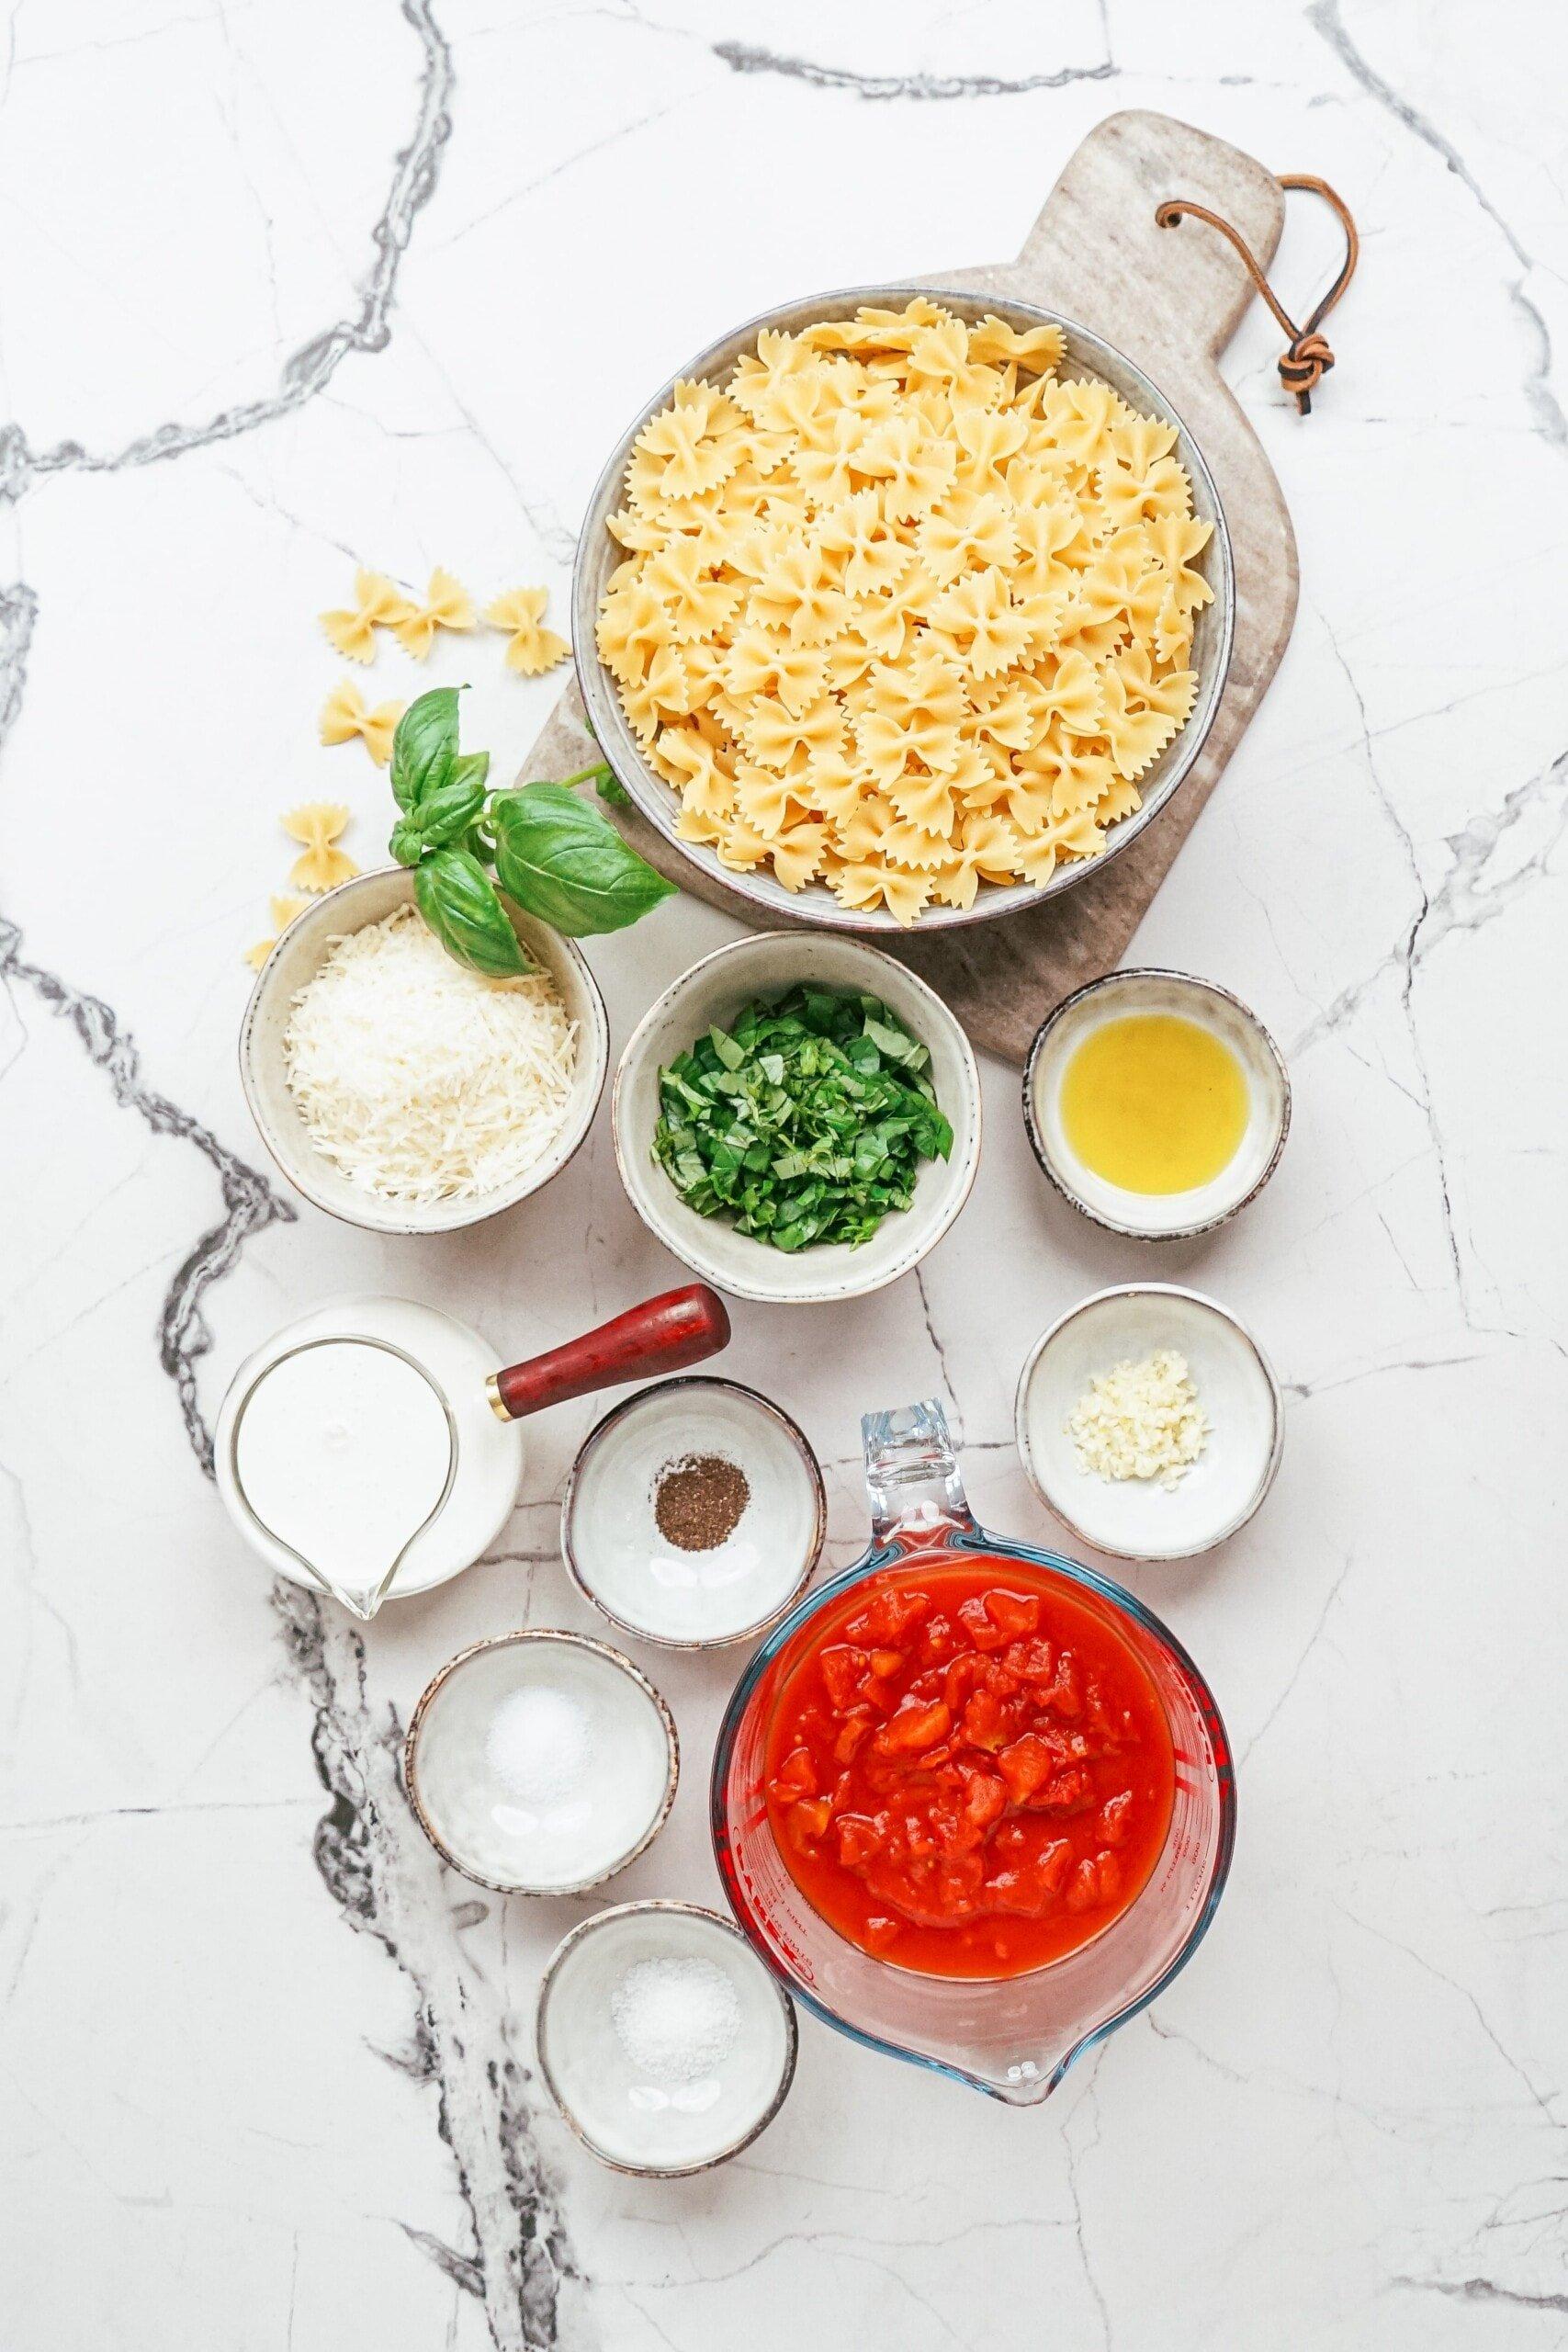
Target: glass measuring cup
[1013, 2037]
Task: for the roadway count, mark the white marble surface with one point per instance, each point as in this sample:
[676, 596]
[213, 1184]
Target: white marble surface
[282, 284]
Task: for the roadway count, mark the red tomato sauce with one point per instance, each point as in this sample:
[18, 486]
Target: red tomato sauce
[969, 1773]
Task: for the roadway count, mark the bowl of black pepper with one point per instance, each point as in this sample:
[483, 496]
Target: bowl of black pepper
[694, 1514]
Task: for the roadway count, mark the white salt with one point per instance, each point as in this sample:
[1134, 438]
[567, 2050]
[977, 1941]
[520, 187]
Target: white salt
[539, 1745]
[676, 2018]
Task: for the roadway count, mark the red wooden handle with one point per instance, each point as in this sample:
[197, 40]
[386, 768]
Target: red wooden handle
[662, 1335]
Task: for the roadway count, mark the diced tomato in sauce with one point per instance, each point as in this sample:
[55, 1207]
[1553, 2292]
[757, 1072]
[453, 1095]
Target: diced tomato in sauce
[968, 1774]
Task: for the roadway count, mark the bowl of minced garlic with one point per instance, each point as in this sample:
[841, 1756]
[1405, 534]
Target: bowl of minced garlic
[1150, 1422]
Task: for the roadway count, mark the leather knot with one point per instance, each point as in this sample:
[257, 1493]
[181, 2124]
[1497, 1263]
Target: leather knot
[1307, 359]
[1303, 368]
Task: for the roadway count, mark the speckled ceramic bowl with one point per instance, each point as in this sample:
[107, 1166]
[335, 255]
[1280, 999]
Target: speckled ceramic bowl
[598, 554]
[680, 1599]
[1159, 1216]
[298, 956]
[465, 1809]
[649, 2129]
[1135, 1519]
[713, 990]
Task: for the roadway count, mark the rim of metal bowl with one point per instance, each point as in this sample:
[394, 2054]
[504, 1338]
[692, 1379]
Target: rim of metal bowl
[814, 904]
[580, 1934]
[1036, 1477]
[577, 1640]
[1055, 1177]
[602, 1429]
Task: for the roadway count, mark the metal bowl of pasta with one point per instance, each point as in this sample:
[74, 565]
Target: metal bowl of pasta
[902, 606]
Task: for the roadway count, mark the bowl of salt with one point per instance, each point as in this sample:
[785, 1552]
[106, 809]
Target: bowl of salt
[540, 1762]
[663, 2040]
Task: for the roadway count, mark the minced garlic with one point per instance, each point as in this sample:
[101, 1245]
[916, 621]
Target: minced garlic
[1140, 1421]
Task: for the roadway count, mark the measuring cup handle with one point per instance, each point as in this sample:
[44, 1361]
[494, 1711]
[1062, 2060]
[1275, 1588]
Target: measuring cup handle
[911, 1472]
[663, 1335]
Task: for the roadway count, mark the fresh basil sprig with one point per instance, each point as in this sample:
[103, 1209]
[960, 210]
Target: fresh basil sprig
[551, 851]
[559, 857]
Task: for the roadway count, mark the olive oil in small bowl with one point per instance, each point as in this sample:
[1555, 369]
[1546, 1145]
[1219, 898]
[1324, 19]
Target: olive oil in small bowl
[1156, 1103]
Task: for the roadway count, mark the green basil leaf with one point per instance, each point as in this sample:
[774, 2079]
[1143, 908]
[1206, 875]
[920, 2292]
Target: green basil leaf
[473, 767]
[445, 815]
[407, 843]
[424, 746]
[458, 901]
[559, 857]
[610, 790]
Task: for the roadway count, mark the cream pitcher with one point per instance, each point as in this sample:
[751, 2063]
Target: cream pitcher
[372, 1448]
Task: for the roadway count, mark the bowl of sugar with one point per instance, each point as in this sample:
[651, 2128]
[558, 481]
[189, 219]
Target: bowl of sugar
[540, 1762]
[663, 2040]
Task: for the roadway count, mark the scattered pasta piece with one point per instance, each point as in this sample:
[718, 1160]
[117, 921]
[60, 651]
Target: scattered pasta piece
[447, 604]
[320, 866]
[345, 716]
[901, 613]
[532, 648]
[379, 602]
[284, 908]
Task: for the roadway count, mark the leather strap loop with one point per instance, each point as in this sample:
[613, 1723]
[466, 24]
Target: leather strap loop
[1307, 359]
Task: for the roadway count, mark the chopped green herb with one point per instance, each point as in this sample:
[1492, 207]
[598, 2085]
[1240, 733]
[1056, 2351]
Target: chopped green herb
[804, 1120]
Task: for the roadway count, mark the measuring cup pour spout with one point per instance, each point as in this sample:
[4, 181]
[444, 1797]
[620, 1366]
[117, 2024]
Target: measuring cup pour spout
[1015, 2036]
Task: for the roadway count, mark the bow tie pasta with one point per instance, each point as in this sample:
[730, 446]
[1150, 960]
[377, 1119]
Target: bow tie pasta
[900, 612]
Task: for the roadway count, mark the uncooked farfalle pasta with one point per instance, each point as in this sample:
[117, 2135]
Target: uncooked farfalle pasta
[901, 612]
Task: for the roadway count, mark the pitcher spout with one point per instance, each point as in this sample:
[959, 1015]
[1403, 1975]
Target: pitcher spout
[911, 1473]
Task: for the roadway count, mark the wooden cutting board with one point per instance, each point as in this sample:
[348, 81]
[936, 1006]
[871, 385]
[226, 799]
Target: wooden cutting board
[1172, 299]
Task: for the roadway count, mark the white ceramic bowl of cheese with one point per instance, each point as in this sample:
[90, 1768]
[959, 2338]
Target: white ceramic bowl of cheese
[297, 958]
[1137, 1519]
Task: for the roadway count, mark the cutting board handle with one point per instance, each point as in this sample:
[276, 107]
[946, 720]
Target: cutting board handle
[1097, 254]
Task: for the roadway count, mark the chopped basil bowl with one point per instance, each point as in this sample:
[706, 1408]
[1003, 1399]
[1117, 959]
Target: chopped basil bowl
[799, 1118]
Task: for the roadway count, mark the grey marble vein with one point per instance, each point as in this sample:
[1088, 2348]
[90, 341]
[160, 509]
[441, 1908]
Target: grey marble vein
[371, 1857]
[389, 1884]
[1551, 424]
[742, 59]
[249, 1203]
[310, 369]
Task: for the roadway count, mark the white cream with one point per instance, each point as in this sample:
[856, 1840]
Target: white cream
[342, 1450]
[455, 1361]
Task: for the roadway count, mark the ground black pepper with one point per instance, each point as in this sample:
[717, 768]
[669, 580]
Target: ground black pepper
[698, 1499]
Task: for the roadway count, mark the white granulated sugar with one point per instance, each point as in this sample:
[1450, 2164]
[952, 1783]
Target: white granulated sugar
[419, 1079]
[676, 2017]
[539, 1745]
[1140, 1421]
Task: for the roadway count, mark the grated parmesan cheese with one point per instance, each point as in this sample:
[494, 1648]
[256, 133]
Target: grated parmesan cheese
[1140, 1421]
[419, 1079]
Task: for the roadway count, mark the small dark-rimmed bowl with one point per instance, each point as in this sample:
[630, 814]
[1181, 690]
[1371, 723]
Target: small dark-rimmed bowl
[769, 1991]
[442, 1681]
[1157, 1217]
[696, 1436]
